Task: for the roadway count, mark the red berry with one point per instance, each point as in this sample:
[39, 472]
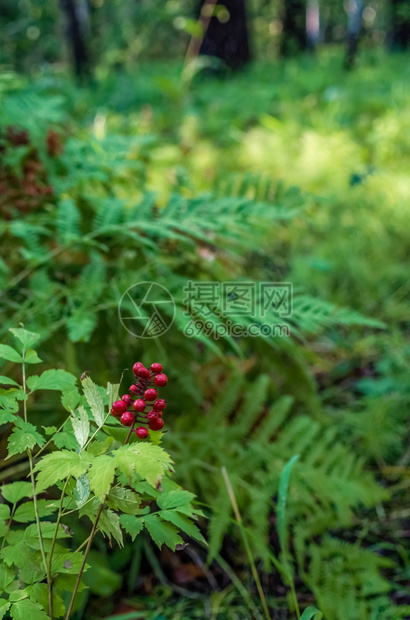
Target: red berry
[133, 389]
[139, 405]
[156, 368]
[159, 404]
[156, 425]
[119, 406]
[127, 418]
[150, 394]
[115, 414]
[152, 415]
[136, 367]
[159, 414]
[126, 398]
[141, 432]
[161, 380]
[143, 373]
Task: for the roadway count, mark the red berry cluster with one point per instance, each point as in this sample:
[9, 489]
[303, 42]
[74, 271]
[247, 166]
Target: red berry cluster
[131, 408]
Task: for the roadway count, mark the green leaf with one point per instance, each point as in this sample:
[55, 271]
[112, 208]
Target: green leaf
[96, 448]
[9, 398]
[282, 496]
[70, 399]
[4, 511]
[123, 499]
[132, 525]
[81, 426]
[27, 609]
[112, 393]
[148, 461]
[25, 512]
[27, 339]
[38, 592]
[58, 466]
[49, 430]
[119, 433]
[66, 562]
[18, 595]
[109, 524]
[81, 492]
[56, 379]
[10, 354]
[311, 613]
[94, 400]
[26, 436]
[4, 607]
[65, 439]
[182, 523]
[162, 533]
[173, 499]
[32, 357]
[7, 576]
[15, 491]
[7, 416]
[101, 475]
[7, 381]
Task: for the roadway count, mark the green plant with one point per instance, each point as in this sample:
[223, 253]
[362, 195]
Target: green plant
[95, 469]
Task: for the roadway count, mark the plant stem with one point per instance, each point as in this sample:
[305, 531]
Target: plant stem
[33, 483]
[246, 543]
[50, 586]
[87, 549]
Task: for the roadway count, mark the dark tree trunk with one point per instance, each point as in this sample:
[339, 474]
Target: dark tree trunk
[354, 22]
[400, 32]
[226, 36]
[312, 24]
[293, 38]
[76, 18]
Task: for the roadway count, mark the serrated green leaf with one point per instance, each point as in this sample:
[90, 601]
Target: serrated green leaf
[81, 492]
[148, 461]
[49, 430]
[7, 381]
[119, 433]
[6, 417]
[9, 398]
[101, 475]
[65, 439]
[123, 499]
[27, 609]
[31, 357]
[66, 562]
[38, 592]
[81, 426]
[18, 595]
[132, 525]
[161, 532]
[10, 354]
[112, 393]
[94, 399]
[173, 499]
[60, 465]
[15, 491]
[96, 448]
[4, 511]
[109, 524]
[55, 379]
[26, 436]
[4, 607]
[70, 399]
[7, 576]
[182, 523]
[26, 338]
[25, 512]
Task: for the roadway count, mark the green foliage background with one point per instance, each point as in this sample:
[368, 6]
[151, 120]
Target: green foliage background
[161, 178]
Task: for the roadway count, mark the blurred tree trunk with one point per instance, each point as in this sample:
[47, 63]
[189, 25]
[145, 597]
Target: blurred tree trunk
[293, 38]
[226, 36]
[312, 24]
[400, 31]
[76, 14]
[354, 20]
